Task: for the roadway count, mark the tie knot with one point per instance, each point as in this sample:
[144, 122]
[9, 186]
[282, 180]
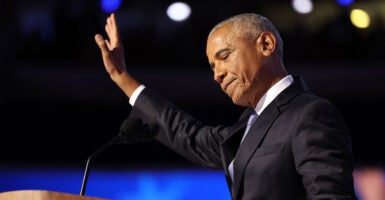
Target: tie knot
[252, 118]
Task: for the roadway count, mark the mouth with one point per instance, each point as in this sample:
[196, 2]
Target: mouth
[227, 84]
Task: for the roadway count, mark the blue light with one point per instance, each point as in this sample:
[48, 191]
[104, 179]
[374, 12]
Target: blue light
[110, 6]
[345, 2]
[180, 184]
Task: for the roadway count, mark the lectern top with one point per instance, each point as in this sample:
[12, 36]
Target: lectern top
[43, 195]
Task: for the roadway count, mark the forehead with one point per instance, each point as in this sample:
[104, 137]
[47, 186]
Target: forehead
[221, 38]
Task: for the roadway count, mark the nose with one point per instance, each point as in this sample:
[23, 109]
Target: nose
[219, 73]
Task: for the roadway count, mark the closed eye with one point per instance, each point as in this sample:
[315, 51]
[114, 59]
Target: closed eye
[223, 54]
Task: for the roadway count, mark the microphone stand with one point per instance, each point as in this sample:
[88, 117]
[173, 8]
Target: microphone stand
[127, 134]
[116, 140]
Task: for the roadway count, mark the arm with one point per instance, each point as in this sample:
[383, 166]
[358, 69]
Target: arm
[322, 152]
[113, 57]
[175, 128]
[180, 131]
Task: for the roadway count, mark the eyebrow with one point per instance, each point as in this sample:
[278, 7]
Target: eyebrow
[217, 55]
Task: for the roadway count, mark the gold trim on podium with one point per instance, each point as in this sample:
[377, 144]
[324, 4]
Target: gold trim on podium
[43, 195]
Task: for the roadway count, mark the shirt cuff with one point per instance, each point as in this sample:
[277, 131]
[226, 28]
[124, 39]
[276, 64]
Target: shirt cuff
[136, 94]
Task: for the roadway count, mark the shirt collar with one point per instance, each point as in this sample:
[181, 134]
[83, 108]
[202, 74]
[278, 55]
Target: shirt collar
[273, 92]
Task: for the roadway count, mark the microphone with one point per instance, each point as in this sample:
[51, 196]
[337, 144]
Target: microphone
[130, 132]
[134, 131]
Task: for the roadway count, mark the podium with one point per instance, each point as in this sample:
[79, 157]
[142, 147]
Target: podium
[43, 195]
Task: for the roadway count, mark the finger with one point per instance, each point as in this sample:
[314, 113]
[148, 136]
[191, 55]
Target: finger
[111, 42]
[110, 27]
[101, 43]
[114, 31]
[113, 22]
[110, 22]
[111, 33]
[108, 30]
[108, 44]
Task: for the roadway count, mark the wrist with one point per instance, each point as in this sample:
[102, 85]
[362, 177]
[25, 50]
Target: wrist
[126, 83]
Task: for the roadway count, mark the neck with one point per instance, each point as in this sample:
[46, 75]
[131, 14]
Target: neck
[269, 84]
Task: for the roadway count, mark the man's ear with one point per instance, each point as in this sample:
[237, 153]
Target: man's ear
[266, 43]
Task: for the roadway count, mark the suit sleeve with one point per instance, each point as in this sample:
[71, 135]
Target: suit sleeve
[180, 131]
[322, 152]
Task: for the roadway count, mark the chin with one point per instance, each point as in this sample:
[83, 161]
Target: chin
[238, 101]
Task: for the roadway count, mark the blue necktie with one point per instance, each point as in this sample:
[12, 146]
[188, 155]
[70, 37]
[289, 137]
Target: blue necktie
[250, 122]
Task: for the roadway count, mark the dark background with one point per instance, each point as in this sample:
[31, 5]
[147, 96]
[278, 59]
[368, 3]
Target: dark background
[58, 105]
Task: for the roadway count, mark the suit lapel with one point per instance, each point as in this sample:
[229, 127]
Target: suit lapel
[252, 141]
[231, 144]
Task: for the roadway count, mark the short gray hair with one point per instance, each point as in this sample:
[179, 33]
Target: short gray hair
[249, 26]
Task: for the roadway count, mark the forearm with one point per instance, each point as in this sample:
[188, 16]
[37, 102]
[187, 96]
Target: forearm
[126, 83]
[178, 130]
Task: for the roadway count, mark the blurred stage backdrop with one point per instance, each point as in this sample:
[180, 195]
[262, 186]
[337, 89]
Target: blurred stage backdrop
[58, 105]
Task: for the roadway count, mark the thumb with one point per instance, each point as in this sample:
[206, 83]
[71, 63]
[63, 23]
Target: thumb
[101, 43]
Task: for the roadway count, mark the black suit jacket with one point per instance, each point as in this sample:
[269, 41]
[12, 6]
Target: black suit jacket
[298, 148]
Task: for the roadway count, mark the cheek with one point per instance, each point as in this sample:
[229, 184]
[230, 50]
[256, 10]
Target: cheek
[247, 67]
[252, 72]
[246, 75]
[239, 69]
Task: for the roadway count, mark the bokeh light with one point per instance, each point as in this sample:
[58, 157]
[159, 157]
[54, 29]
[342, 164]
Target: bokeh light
[345, 2]
[110, 6]
[360, 18]
[178, 11]
[302, 6]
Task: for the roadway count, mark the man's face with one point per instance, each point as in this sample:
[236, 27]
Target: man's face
[237, 66]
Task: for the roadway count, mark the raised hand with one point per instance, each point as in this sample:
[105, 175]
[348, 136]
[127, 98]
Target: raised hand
[113, 57]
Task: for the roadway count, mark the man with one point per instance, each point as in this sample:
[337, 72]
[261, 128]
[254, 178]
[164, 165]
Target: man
[297, 146]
